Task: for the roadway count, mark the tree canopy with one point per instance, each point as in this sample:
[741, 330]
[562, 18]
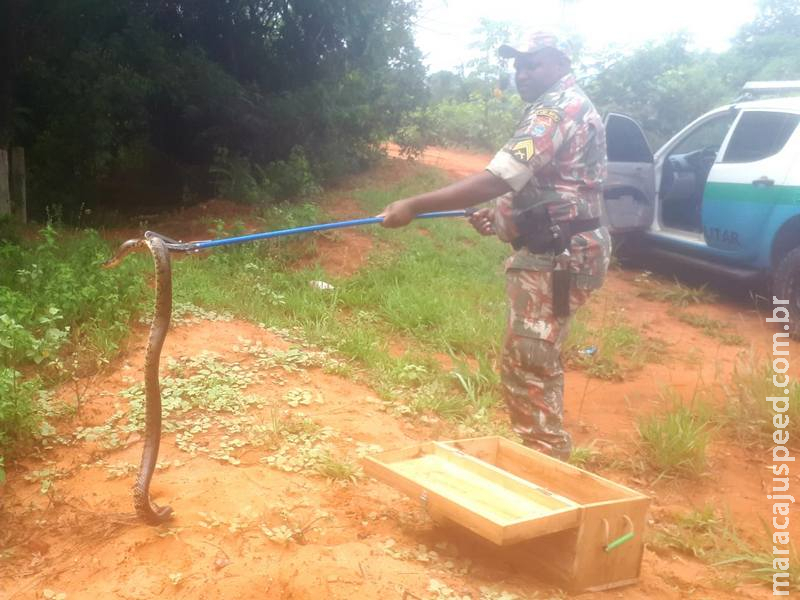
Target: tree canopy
[106, 95]
[130, 105]
[664, 85]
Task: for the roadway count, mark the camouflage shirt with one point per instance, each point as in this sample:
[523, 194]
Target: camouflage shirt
[556, 158]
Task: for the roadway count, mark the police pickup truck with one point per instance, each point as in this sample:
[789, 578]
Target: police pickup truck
[723, 194]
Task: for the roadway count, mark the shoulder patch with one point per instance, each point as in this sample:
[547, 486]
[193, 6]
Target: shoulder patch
[547, 114]
[539, 130]
[522, 149]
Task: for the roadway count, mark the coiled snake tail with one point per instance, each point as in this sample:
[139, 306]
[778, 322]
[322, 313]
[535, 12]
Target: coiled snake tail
[145, 508]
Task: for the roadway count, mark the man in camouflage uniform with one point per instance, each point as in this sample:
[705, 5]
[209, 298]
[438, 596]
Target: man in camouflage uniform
[546, 179]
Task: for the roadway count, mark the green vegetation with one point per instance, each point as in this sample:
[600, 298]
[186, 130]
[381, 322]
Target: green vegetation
[206, 405]
[674, 443]
[434, 284]
[204, 394]
[237, 178]
[674, 84]
[115, 101]
[339, 470]
[265, 102]
[585, 457]
[663, 85]
[761, 566]
[62, 314]
[747, 414]
[702, 533]
[710, 327]
[675, 293]
[618, 348]
[432, 288]
[708, 534]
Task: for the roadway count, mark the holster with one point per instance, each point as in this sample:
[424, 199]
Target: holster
[541, 236]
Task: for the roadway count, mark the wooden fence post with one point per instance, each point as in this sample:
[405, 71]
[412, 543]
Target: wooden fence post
[19, 203]
[5, 198]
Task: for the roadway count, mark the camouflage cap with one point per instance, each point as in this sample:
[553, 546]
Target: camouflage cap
[535, 42]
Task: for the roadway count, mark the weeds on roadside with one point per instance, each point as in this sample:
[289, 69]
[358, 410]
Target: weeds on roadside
[338, 470]
[440, 399]
[56, 302]
[710, 327]
[702, 533]
[584, 457]
[616, 347]
[711, 536]
[434, 282]
[761, 566]
[480, 385]
[747, 413]
[238, 178]
[675, 293]
[674, 443]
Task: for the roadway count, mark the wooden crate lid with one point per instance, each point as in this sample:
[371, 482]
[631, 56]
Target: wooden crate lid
[494, 503]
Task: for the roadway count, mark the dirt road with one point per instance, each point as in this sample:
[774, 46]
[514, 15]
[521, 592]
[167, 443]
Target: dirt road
[249, 528]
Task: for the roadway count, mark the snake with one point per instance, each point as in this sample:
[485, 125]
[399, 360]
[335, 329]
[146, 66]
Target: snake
[157, 245]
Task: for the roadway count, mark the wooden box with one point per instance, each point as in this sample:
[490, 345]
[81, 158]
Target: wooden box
[566, 524]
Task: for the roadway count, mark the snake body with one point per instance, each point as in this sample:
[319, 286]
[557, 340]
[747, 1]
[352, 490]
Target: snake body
[157, 246]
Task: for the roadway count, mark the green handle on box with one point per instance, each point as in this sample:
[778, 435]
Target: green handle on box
[619, 541]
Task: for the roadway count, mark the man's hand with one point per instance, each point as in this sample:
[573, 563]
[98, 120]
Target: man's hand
[398, 214]
[464, 193]
[481, 220]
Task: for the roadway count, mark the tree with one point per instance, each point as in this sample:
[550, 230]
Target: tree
[776, 17]
[133, 99]
[767, 49]
[663, 86]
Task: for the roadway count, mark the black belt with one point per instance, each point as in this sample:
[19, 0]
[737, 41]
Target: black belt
[577, 226]
[555, 238]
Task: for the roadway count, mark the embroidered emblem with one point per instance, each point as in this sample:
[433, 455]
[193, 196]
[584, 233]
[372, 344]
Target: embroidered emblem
[523, 149]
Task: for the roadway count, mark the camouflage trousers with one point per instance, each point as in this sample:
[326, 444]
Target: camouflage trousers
[531, 371]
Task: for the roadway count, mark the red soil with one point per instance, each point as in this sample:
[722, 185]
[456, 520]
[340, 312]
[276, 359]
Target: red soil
[363, 540]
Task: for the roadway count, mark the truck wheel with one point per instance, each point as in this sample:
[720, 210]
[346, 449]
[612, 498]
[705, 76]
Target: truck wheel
[786, 286]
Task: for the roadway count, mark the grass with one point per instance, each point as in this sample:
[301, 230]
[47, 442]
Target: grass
[674, 293]
[709, 535]
[584, 457]
[618, 347]
[710, 327]
[674, 443]
[434, 282]
[747, 414]
[480, 384]
[339, 470]
[761, 568]
[701, 533]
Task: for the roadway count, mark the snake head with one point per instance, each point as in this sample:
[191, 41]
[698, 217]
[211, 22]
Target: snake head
[123, 251]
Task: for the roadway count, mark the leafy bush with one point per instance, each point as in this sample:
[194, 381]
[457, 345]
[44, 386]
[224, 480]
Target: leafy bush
[9, 230]
[292, 178]
[235, 178]
[56, 297]
[238, 179]
[59, 284]
[19, 345]
[483, 122]
[18, 415]
[138, 97]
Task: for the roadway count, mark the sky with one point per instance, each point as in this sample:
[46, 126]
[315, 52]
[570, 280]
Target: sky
[445, 27]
